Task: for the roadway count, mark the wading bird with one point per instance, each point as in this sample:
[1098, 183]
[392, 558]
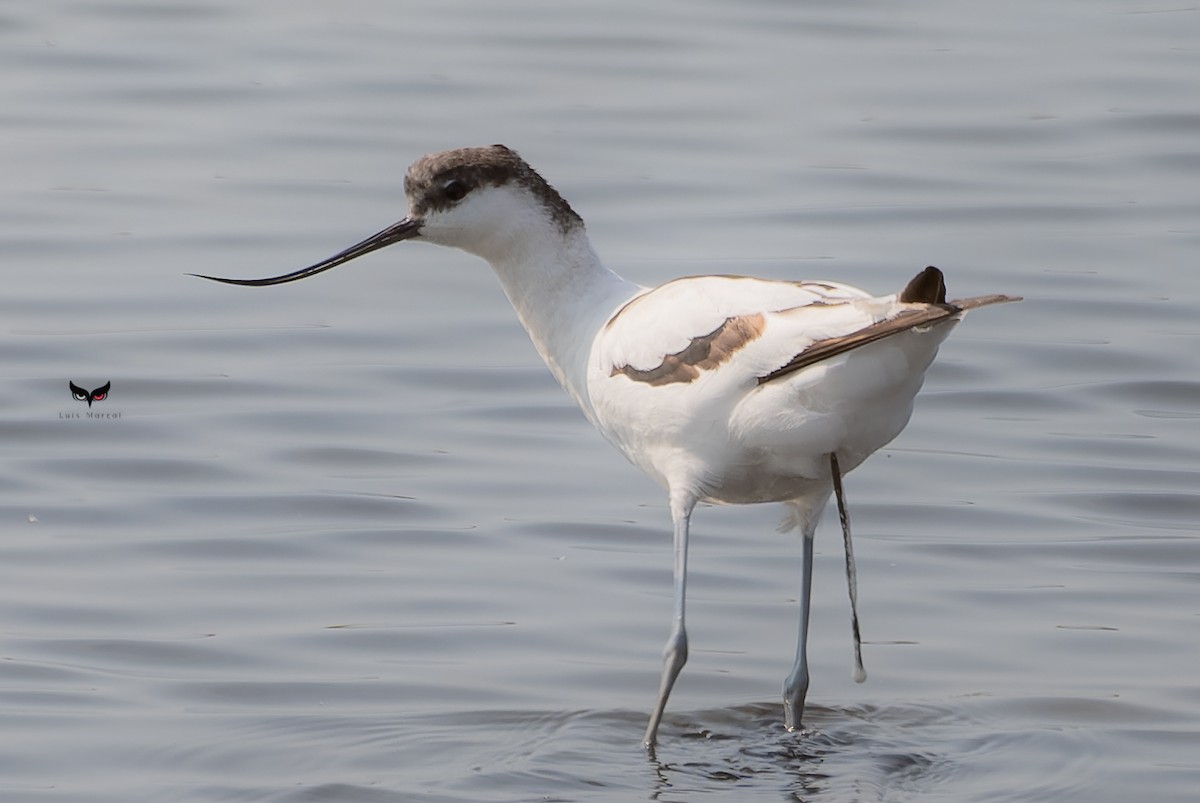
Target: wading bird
[727, 389]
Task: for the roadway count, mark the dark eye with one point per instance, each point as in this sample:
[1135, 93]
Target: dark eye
[455, 190]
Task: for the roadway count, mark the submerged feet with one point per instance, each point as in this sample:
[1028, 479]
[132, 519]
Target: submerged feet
[674, 657]
[795, 689]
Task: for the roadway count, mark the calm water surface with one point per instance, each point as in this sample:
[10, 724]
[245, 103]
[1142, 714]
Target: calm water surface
[345, 540]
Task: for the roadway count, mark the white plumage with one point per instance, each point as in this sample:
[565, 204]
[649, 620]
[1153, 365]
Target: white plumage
[723, 388]
[726, 437]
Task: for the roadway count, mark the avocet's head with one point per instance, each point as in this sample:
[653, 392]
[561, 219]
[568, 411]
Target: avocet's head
[476, 199]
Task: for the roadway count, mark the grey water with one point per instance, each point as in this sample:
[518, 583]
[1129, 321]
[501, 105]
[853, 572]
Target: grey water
[346, 540]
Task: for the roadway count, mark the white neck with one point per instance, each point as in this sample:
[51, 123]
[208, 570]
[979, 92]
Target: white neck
[561, 291]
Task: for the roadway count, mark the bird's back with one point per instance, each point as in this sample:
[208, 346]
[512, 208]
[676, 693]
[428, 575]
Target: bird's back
[703, 381]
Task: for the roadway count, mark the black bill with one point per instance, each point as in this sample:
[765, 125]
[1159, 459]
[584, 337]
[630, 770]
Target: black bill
[404, 230]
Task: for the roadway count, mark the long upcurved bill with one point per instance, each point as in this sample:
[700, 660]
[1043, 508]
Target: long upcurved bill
[404, 230]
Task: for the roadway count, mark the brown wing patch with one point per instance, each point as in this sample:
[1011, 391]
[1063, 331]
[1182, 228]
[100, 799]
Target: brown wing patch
[824, 349]
[908, 319]
[702, 354]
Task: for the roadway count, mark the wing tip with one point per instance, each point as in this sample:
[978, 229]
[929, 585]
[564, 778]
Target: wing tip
[965, 304]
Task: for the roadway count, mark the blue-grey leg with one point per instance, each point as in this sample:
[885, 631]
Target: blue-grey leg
[795, 688]
[676, 652]
[860, 674]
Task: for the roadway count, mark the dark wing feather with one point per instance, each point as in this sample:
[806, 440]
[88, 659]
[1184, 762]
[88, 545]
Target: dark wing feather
[908, 319]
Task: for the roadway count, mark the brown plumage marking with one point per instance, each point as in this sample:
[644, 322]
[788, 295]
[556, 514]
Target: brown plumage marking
[926, 291]
[701, 354]
[927, 288]
[824, 349]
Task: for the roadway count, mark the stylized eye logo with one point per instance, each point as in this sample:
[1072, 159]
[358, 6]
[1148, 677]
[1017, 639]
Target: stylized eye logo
[99, 394]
